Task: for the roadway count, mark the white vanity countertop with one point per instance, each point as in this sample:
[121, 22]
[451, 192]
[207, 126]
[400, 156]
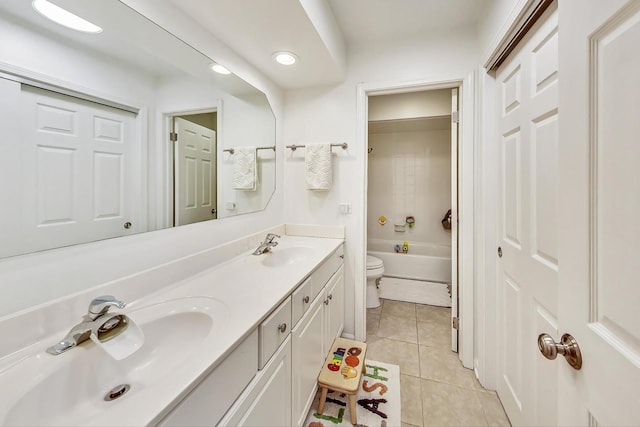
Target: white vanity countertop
[247, 290]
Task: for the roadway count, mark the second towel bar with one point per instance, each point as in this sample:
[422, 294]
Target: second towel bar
[294, 147]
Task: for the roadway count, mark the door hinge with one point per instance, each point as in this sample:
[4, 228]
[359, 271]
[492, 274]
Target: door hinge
[454, 117]
[455, 322]
[173, 136]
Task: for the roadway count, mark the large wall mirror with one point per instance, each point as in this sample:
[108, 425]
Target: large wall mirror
[120, 131]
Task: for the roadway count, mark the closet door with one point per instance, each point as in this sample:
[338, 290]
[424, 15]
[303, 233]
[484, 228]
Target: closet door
[527, 90]
[74, 168]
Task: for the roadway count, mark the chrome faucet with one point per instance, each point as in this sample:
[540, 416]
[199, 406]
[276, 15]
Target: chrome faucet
[267, 244]
[81, 332]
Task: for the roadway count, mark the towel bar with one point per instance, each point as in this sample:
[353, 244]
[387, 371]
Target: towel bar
[294, 147]
[231, 150]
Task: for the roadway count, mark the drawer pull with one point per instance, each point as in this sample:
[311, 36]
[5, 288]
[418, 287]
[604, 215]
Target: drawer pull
[342, 256]
[306, 299]
[330, 296]
[282, 327]
[326, 302]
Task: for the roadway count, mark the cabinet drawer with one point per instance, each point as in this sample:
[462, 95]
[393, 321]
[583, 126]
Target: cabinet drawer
[301, 300]
[323, 273]
[273, 331]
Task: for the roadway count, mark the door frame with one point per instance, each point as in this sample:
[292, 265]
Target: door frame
[466, 191]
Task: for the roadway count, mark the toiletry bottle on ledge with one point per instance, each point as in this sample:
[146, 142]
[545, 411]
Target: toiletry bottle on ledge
[405, 247]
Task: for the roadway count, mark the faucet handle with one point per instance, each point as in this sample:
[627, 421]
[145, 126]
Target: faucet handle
[102, 304]
[270, 237]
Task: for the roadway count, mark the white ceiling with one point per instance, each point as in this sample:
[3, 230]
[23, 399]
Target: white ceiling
[375, 20]
[257, 29]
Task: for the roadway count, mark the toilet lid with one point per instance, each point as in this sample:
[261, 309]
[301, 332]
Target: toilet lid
[373, 262]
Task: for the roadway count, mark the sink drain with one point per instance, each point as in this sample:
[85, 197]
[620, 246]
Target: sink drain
[116, 392]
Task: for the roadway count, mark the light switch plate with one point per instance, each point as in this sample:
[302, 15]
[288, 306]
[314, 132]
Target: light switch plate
[345, 208]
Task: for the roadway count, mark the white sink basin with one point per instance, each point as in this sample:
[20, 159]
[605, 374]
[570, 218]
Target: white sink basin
[69, 389]
[279, 257]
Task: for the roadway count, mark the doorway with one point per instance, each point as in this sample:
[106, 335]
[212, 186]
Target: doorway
[193, 165]
[464, 187]
[412, 191]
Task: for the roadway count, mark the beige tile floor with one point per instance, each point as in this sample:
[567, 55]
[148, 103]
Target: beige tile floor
[436, 390]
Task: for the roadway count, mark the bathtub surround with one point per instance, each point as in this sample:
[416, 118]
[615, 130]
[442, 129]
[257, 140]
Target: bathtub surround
[410, 176]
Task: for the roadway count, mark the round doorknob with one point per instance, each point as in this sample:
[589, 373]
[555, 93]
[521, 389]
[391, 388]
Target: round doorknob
[567, 347]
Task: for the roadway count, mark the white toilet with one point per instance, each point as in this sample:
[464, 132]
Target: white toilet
[375, 270]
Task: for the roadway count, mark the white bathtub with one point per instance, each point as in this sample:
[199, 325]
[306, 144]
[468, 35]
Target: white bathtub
[424, 261]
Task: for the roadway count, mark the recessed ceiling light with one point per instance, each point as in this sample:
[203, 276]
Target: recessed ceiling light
[285, 58]
[64, 17]
[220, 69]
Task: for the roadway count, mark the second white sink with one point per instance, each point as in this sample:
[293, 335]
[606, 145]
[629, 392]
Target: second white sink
[279, 257]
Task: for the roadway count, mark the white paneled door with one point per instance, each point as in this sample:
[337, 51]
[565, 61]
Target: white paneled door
[195, 175]
[599, 233]
[527, 93]
[569, 229]
[70, 170]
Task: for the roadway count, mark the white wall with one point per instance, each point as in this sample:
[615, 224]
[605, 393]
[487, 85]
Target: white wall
[409, 174]
[496, 18]
[328, 113]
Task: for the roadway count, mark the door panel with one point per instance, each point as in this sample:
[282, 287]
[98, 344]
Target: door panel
[75, 169]
[195, 172]
[527, 271]
[600, 184]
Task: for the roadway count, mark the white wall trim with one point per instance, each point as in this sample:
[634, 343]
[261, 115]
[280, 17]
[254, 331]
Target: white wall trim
[466, 220]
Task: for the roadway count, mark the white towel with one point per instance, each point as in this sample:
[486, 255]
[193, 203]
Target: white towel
[317, 161]
[244, 168]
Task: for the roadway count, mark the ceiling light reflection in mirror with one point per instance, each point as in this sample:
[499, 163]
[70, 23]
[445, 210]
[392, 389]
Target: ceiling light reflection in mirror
[122, 89]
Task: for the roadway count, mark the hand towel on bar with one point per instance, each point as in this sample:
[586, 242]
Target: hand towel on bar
[317, 162]
[244, 168]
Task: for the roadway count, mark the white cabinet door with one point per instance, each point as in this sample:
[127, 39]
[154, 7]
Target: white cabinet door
[307, 357]
[267, 401]
[599, 228]
[334, 309]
